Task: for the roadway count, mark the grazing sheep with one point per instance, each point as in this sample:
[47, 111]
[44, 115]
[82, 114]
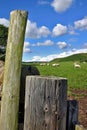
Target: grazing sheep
[76, 65]
[84, 62]
[55, 64]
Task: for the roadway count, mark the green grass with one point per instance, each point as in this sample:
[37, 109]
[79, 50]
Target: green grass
[77, 77]
[76, 57]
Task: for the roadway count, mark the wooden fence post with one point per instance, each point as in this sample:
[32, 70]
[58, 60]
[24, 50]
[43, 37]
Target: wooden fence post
[11, 83]
[45, 103]
[72, 114]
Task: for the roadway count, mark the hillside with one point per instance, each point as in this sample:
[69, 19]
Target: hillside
[76, 57]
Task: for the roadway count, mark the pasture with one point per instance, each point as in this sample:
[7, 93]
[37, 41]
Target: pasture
[77, 77]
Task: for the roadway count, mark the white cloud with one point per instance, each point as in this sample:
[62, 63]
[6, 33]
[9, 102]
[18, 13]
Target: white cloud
[44, 31]
[80, 51]
[45, 43]
[59, 30]
[26, 44]
[62, 45]
[81, 24]
[4, 22]
[32, 31]
[61, 5]
[36, 58]
[71, 30]
[47, 58]
[27, 50]
[60, 55]
[26, 47]
[48, 43]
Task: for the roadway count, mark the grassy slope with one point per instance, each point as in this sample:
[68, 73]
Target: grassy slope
[77, 77]
[76, 57]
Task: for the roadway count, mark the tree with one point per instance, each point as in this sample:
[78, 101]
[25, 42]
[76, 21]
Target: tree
[3, 41]
[3, 35]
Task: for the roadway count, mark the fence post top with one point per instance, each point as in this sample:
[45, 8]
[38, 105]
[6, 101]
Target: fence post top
[19, 11]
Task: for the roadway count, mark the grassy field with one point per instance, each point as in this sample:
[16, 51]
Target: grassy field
[77, 77]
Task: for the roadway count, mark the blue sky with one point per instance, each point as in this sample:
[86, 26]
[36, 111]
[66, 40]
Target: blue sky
[55, 28]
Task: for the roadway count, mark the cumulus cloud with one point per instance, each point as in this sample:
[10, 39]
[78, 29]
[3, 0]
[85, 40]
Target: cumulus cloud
[81, 24]
[27, 50]
[59, 55]
[62, 45]
[26, 44]
[4, 22]
[45, 43]
[59, 30]
[32, 31]
[44, 31]
[61, 5]
[71, 30]
[26, 47]
[36, 58]
[47, 58]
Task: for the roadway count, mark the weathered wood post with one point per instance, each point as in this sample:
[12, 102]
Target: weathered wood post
[11, 83]
[72, 114]
[45, 103]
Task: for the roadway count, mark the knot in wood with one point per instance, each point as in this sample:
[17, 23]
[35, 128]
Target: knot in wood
[46, 108]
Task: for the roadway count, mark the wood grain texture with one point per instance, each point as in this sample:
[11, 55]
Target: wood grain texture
[72, 114]
[11, 83]
[45, 103]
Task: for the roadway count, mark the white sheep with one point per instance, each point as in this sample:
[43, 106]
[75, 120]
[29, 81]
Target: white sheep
[55, 64]
[76, 65]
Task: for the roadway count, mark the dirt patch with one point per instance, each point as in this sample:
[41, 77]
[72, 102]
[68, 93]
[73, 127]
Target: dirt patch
[81, 97]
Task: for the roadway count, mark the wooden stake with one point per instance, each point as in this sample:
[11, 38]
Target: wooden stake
[45, 103]
[11, 83]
